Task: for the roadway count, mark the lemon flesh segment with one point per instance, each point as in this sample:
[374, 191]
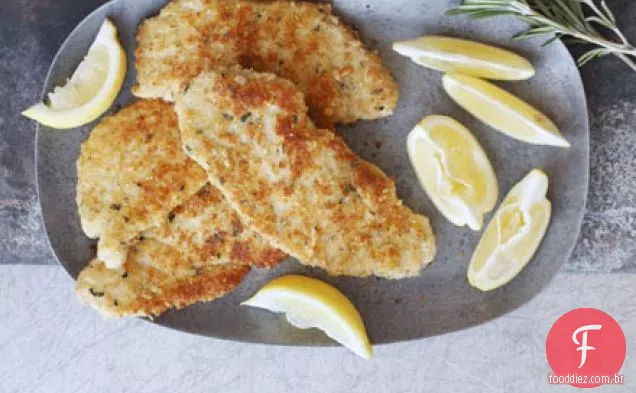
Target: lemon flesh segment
[513, 235]
[502, 110]
[91, 90]
[449, 54]
[308, 302]
[453, 169]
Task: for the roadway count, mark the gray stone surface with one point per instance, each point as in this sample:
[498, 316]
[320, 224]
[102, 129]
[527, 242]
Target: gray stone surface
[50, 343]
[608, 235]
[31, 31]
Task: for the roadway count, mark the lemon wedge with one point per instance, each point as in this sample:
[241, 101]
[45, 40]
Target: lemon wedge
[308, 303]
[502, 110]
[92, 88]
[513, 235]
[453, 170]
[467, 57]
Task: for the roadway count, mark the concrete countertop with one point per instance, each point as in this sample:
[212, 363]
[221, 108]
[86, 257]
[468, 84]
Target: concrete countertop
[50, 343]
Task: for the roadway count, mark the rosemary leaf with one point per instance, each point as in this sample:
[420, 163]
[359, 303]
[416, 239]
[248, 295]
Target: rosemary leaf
[533, 32]
[489, 14]
[576, 7]
[608, 12]
[568, 15]
[600, 21]
[551, 40]
[590, 55]
[573, 20]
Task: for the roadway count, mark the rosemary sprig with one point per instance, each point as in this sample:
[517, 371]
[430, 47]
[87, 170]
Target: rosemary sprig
[576, 21]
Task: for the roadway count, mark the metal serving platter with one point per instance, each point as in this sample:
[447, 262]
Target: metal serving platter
[440, 300]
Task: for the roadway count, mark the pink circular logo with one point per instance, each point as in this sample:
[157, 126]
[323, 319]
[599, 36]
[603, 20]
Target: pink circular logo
[585, 348]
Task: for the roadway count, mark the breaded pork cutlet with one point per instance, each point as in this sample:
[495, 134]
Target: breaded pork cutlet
[207, 230]
[303, 42]
[154, 279]
[302, 188]
[132, 171]
[199, 253]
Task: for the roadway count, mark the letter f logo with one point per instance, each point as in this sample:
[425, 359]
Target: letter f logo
[584, 347]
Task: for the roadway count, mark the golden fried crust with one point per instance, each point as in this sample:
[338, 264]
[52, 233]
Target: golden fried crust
[207, 230]
[132, 171]
[303, 42]
[300, 187]
[154, 279]
[200, 252]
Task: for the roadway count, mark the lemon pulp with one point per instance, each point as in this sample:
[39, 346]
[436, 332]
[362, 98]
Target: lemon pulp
[453, 169]
[513, 235]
